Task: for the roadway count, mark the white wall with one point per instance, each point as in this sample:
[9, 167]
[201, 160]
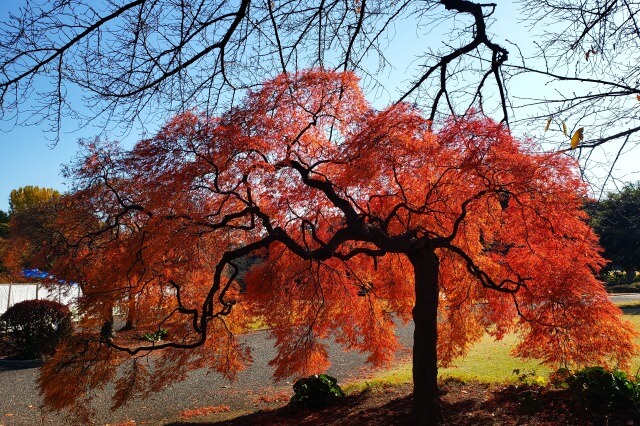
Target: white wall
[13, 293]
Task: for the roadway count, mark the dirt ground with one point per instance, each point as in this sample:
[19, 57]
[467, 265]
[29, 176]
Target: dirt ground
[470, 403]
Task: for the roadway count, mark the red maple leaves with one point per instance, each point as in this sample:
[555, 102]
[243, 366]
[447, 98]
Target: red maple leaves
[301, 206]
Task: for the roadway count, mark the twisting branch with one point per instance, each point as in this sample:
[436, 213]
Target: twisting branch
[499, 55]
[504, 286]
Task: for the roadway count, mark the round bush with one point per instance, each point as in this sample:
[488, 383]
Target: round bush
[318, 390]
[604, 391]
[33, 328]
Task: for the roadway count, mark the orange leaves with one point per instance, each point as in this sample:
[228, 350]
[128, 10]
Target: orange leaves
[577, 138]
[304, 303]
[134, 382]
[204, 411]
[74, 373]
[578, 329]
[301, 207]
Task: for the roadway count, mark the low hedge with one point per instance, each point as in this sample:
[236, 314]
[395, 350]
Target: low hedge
[33, 329]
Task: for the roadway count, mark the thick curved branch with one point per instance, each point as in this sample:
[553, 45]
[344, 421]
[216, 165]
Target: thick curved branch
[443, 241]
[327, 188]
[504, 286]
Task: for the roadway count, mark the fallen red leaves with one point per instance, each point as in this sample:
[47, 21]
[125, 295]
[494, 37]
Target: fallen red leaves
[204, 411]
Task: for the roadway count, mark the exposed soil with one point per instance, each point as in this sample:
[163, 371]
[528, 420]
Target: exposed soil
[470, 403]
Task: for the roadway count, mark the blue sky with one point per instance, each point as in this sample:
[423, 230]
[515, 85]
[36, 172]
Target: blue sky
[27, 156]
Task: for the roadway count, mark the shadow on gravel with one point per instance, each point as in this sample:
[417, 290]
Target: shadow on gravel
[354, 410]
[338, 413]
[13, 365]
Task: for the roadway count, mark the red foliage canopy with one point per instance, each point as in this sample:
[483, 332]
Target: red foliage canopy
[317, 201]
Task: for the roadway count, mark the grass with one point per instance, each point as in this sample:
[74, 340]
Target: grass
[632, 314]
[257, 324]
[398, 375]
[488, 361]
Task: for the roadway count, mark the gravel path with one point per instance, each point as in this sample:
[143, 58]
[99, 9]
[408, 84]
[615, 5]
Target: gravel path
[625, 298]
[20, 401]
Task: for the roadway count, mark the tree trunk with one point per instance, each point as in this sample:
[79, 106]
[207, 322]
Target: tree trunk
[132, 316]
[630, 274]
[426, 404]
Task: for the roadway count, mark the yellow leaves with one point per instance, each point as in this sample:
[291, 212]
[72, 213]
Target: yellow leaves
[577, 137]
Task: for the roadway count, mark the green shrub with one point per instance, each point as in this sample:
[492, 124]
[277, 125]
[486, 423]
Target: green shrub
[614, 278]
[316, 391]
[32, 329]
[604, 391]
[528, 391]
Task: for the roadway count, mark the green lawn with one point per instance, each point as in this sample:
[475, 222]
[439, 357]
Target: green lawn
[490, 361]
[487, 361]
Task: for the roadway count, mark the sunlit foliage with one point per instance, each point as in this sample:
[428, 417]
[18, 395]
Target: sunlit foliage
[354, 217]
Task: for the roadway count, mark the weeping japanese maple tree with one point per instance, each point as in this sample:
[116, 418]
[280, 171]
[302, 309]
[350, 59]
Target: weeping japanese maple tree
[351, 218]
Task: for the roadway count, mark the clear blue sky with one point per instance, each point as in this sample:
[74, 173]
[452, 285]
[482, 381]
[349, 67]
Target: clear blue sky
[27, 157]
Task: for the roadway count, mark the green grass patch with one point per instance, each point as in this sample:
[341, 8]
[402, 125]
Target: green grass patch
[491, 361]
[630, 309]
[257, 324]
[487, 361]
[398, 375]
[632, 314]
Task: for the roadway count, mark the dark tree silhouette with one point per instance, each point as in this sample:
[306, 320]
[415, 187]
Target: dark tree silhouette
[149, 59]
[616, 219]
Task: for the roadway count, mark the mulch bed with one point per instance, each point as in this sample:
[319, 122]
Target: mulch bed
[463, 403]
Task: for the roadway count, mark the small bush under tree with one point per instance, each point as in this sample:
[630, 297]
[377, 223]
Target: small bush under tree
[33, 328]
[605, 391]
[318, 390]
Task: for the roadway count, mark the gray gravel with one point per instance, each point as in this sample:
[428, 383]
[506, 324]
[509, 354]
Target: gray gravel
[20, 401]
[625, 297]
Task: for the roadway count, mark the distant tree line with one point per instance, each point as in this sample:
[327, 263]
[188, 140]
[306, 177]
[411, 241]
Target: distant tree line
[616, 219]
[21, 201]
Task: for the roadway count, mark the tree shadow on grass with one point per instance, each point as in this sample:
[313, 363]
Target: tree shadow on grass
[346, 409]
[631, 309]
[462, 403]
